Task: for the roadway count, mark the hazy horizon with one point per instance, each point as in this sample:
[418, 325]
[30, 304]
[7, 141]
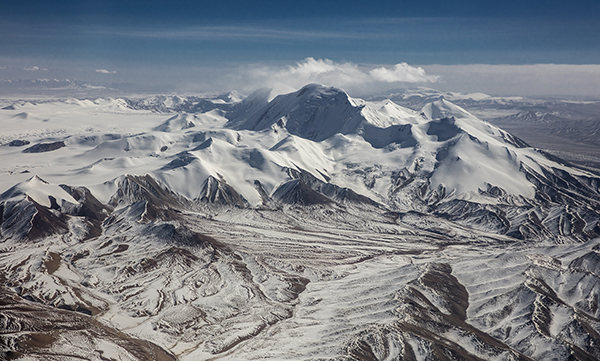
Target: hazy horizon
[509, 48]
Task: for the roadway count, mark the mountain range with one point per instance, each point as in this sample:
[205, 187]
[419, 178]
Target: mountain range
[309, 225]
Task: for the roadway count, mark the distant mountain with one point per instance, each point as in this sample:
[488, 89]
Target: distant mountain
[567, 128]
[190, 104]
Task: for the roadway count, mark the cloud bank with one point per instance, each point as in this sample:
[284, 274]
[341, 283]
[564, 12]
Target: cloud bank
[349, 76]
[360, 80]
[402, 73]
[525, 80]
[536, 80]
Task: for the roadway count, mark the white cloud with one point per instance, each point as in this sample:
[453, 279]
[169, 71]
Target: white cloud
[104, 71]
[402, 72]
[312, 67]
[351, 77]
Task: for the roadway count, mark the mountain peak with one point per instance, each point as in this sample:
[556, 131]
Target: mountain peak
[317, 112]
[315, 89]
[314, 112]
[177, 123]
[40, 191]
[35, 180]
[443, 108]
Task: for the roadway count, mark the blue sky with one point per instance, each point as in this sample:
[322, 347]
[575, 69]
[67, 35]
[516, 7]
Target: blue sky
[198, 45]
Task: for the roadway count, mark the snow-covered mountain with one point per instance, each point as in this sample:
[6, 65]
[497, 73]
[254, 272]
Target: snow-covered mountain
[317, 113]
[310, 226]
[567, 128]
[440, 159]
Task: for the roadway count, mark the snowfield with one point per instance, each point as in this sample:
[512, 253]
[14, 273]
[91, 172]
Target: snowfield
[309, 226]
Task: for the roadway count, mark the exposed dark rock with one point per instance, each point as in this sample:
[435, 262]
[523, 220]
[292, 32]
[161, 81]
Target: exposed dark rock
[297, 192]
[181, 160]
[215, 191]
[514, 140]
[443, 128]
[45, 147]
[26, 219]
[134, 188]
[88, 207]
[266, 199]
[330, 190]
[396, 134]
[18, 143]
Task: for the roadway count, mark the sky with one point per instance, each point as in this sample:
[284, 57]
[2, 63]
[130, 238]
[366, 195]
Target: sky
[537, 48]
